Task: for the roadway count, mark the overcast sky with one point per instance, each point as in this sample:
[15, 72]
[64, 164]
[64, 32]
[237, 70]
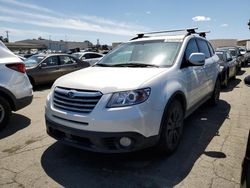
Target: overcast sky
[116, 20]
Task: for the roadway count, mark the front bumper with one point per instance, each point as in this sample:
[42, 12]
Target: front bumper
[104, 142]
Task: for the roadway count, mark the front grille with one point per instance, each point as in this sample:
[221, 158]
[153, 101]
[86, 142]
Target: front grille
[74, 100]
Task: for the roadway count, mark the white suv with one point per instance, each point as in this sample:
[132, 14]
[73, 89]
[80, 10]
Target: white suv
[15, 88]
[137, 96]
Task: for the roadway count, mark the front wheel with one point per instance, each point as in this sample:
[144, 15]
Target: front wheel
[214, 100]
[5, 112]
[172, 125]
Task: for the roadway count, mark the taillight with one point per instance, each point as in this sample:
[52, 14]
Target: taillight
[19, 67]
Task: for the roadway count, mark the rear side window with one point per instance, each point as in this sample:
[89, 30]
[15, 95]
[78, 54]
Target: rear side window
[211, 49]
[203, 47]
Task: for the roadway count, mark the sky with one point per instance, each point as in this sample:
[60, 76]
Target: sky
[118, 21]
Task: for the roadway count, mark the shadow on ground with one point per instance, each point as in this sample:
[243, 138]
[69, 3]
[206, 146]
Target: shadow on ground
[241, 72]
[17, 122]
[233, 84]
[71, 167]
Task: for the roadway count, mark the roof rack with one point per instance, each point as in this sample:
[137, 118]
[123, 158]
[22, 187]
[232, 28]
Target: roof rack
[188, 30]
[203, 33]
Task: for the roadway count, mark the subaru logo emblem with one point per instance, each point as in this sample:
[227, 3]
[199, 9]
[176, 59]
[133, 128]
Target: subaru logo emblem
[70, 94]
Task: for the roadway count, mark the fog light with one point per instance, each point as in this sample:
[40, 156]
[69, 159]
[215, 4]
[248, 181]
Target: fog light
[125, 141]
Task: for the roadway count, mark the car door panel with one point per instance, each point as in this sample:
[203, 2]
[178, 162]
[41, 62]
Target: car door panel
[49, 72]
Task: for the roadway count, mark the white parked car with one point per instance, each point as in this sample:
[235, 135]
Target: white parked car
[90, 57]
[137, 96]
[15, 88]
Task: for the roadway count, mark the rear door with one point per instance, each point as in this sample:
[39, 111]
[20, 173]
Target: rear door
[67, 64]
[48, 70]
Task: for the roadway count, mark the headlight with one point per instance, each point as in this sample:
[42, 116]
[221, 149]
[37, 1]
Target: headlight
[221, 68]
[127, 98]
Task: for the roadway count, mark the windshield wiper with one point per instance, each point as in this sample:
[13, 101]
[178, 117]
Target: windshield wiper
[102, 65]
[134, 65]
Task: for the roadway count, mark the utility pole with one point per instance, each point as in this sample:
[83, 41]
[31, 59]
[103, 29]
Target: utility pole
[7, 35]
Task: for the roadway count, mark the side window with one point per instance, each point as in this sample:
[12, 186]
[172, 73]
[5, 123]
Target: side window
[211, 49]
[228, 56]
[66, 60]
[203, 47]
[51, 61]
[191, 48]
[87, 56]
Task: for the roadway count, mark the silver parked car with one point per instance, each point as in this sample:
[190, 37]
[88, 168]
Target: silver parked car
[90, 57]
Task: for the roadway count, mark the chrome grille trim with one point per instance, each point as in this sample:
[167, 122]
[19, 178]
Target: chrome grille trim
[75, 100]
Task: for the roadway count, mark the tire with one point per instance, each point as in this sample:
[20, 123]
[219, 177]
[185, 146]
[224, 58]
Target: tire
[172, 126]
[225, 85]
[214, 100]
[5, 112]
[234, 76]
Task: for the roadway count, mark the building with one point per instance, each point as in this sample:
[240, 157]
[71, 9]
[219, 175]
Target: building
[57, 45]
[216, 43]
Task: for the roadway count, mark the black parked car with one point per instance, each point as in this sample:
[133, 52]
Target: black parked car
[235, 52]
[228, 66]
[45, 68]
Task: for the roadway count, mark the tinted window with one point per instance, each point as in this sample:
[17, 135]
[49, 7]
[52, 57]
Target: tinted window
[203, 47]
[191, 48]
[65, 60]
[91, 56]
[220, 55]
[51, 61]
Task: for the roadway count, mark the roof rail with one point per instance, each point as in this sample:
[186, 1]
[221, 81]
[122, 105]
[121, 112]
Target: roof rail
[188, 30]
[203, 33]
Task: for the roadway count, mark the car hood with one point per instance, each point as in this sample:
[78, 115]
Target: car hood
[107, 80]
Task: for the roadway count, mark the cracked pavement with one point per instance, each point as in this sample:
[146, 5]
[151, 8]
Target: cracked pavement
[210, 154]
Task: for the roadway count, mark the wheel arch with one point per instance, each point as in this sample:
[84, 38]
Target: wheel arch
[178, 95]
[8, 96]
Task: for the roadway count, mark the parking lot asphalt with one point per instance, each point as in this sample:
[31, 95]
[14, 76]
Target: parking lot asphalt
[210, 154]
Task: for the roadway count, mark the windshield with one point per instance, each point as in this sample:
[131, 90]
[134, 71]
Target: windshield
[220, 55]
[152, 53]
[77, 55]
[33, 61]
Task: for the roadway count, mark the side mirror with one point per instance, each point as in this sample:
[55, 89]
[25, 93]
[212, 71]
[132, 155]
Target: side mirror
[247, 80]
[83, 58]
[43, 65]
[197, 59]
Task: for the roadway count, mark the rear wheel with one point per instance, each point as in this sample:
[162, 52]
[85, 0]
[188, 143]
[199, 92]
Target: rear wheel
[5, 112]
[172, 126]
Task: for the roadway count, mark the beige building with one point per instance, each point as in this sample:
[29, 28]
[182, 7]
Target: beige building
[223, 42]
